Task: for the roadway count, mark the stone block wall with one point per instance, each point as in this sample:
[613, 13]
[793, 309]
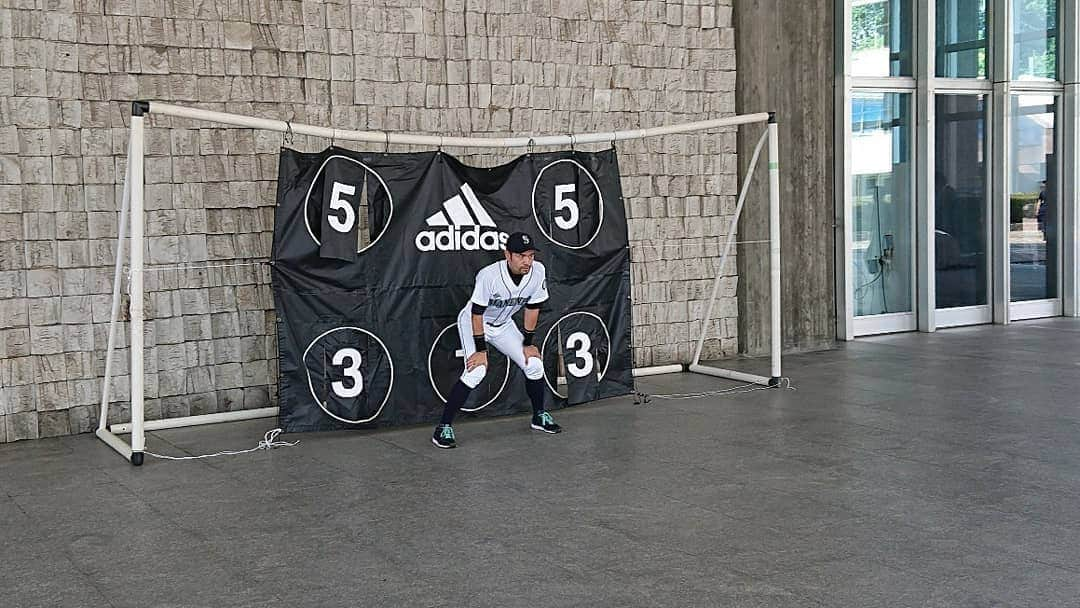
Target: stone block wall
[69, 69]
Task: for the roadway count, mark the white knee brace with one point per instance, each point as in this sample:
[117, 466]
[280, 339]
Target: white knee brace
[474, 377]
[534, 368]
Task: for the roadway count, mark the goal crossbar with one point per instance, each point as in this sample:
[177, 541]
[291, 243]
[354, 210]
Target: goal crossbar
[387, 138]
[132, 218]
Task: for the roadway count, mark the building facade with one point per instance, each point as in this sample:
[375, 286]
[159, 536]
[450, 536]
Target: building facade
[70, 68]
[930, 169]
[928, 165]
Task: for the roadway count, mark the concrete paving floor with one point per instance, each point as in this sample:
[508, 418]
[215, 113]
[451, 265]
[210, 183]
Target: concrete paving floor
[908, 470]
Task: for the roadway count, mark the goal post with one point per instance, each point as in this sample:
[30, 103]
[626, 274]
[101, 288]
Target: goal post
[769, 137]
[132, 223]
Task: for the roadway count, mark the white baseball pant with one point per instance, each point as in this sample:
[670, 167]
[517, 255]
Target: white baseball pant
[506, 337]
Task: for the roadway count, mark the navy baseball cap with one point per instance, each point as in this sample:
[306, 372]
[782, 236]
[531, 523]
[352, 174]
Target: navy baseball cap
[519, 242]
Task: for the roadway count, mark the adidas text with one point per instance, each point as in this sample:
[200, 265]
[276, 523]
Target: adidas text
[461, 238]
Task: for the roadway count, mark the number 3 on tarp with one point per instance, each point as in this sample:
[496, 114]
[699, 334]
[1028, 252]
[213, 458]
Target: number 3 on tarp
[338, 203]
[579, 343]
[352, 370]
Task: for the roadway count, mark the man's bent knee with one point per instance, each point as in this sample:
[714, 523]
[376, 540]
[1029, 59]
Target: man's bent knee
[473, 377]
[534, 368]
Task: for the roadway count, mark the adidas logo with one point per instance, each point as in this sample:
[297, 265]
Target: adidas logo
[461, 225]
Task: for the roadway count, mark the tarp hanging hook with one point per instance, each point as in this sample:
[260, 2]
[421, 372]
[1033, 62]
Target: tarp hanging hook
[287, 135]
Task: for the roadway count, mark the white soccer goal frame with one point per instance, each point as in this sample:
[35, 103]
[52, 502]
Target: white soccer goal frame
[132, 211]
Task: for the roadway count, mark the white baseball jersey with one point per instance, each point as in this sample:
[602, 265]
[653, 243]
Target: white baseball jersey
[495, 290]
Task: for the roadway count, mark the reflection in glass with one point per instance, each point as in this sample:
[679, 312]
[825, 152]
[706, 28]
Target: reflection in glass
[880, 38]
[1035, 39]
[961, 38]
[881, 202]
[960, 201]
[1033, 199]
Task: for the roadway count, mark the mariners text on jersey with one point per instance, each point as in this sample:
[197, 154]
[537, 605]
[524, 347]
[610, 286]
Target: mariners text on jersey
[498, 302]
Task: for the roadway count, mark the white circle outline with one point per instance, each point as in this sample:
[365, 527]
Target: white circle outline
[439, 394]
[543, 345]
[389, 390]
[599, 194]
[307, 200]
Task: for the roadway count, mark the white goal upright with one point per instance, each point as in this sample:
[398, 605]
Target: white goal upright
[132, 222]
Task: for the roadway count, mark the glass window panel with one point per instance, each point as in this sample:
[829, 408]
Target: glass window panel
[882, 210]
[1035, 39]
[881, 38]
[960, 201]
[962, 34]
[1033, 198]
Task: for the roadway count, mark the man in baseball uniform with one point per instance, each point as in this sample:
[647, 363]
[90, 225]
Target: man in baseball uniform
[501, 290]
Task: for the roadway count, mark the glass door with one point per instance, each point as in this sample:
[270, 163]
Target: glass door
[961, 210]
[882, 212]
[1033, 162]
[957, 130]
[1034, 208]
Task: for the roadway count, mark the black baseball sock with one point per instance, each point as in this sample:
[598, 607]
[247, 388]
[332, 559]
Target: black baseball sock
[535, 388]
[457, 398]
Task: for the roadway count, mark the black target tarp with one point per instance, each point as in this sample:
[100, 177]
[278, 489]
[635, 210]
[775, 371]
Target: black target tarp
[374, 255]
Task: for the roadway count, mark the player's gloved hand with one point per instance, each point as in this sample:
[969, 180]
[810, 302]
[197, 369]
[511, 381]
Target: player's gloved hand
[476, 360]
[531, 351]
